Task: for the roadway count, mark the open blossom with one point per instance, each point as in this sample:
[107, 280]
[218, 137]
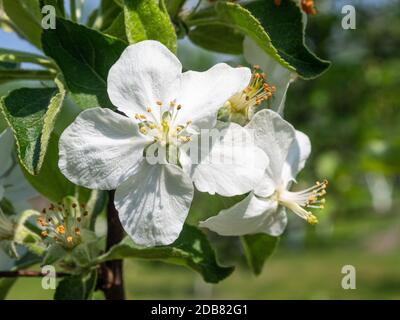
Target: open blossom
[163, 110]
[264, 209]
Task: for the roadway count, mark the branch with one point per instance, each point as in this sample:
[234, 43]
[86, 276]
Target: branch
[28, 274]
[111, 272]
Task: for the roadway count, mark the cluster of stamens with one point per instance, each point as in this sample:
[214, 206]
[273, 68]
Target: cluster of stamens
[166, 131]
[298, 202]
[62, 225]
[243, 103]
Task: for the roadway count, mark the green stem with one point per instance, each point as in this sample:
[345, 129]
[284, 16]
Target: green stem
[175, 6]
[72, 6]
[26, 75]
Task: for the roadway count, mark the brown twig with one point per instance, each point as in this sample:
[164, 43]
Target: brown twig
[28, 274]
[111, 272]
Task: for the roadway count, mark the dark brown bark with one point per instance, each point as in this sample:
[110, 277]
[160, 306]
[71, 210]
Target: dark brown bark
[111, 272]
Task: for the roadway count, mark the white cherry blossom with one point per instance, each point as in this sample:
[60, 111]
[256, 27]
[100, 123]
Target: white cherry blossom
[159, 109]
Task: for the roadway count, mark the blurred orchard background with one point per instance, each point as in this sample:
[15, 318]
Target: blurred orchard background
[351, 114]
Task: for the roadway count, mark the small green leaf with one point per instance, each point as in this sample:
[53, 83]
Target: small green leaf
[31, 113]
[149, 20]
[79, 287]
[191, 249]
[258, 248]
[217, 37]
[84, 57]
[26, 16]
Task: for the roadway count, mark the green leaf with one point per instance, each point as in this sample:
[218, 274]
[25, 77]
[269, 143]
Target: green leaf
[76, 287]
[149, 20]
[258, 248]
[217, 37]
[31, 113]
[54, 254]
[26, 16]
[84, 57]
[284, 25]
[5, 286]
[108, 12]
[117, 28]
[278, 30]
[8, 55]
[191, 249]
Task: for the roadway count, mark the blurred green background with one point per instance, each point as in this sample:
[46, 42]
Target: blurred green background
[351, 115]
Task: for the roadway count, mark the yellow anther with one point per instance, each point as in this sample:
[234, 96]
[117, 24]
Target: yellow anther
[172, 103]
[152, 125]
[70, 239]
[159, 102]
[60, 229]
[44, 233]
[149, 109]
[311, 219]
[78, 231]
[143, 130]
[142, 116]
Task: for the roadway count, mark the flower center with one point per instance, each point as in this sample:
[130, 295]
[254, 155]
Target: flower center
[165, 132]
[241, 106]
[300, 201]
[61, 225]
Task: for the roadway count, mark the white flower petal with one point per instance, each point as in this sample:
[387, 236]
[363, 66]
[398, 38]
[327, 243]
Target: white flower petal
[275, 222]
[298, 154]
[6, 147]
[202, 94]
[274, 135]
[153, 204]
[231, 164]
[277, 75]
[266, 187]
[146, 72]
[245, 217]
[100, 149]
